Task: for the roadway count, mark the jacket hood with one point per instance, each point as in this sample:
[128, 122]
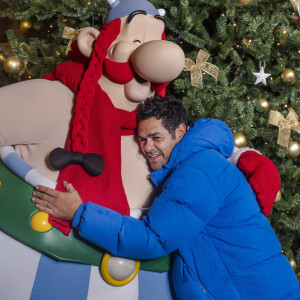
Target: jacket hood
[204, 134]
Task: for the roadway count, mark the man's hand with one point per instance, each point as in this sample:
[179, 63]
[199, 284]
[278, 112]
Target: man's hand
[59, 204]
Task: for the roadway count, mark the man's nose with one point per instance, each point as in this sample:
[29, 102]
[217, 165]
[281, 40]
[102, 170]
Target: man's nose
[149, 145]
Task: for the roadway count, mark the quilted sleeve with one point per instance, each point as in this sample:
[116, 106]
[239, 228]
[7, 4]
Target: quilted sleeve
[186, 204]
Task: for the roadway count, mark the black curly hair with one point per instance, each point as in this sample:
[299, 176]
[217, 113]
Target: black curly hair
[169, 109]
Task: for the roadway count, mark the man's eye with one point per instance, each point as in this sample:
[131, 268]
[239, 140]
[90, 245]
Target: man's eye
[156, 138]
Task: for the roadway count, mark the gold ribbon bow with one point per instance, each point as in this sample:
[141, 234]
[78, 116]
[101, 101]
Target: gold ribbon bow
[296, 5]
[285, 125]
[71, 34]
[196, 69]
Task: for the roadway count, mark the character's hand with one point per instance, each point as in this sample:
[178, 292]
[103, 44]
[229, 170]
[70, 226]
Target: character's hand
[59, 204]
[263, 177]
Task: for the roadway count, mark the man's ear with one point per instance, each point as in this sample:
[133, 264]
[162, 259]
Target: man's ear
[85, 40]
[180, 131]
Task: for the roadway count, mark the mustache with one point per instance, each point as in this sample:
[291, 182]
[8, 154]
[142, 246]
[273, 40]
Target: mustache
[154, 152]
[123, 73]
[120, 73]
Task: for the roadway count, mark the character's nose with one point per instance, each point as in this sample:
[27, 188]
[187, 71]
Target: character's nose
[158, 61]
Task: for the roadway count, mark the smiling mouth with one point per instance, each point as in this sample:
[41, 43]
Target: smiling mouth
[153, 157]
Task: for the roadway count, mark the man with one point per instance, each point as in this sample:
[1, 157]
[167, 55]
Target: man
[206, 213]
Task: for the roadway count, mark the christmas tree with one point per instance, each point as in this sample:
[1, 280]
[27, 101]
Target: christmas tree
[236, 37]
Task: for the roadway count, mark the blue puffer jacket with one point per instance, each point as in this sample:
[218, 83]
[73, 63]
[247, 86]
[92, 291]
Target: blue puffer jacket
[206, 213]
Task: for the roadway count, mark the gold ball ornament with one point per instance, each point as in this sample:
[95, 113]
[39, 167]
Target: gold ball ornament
[2, 58]
[293, 149]
[240, 140]
[13, 65]
[25, 25]
[287, 75]
[293, 264]
[278, 197]
[243, 2]
[264, 104]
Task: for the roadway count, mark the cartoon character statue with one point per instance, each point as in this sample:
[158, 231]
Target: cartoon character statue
[85, 112]
[86, 106]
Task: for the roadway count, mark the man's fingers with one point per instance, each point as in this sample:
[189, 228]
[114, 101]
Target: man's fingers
[44, 209]
[46, 190]
[42, 204]
[43, 196]
[68, 186]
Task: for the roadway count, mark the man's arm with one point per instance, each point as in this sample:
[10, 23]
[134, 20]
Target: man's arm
[176, 217]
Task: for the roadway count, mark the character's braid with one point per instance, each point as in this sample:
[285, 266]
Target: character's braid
[84, 99]
[88, 86]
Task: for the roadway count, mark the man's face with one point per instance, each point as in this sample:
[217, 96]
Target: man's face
[157, 142]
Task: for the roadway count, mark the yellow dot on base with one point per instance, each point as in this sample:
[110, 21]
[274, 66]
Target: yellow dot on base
[111, 279]
[39, 222]
[0, 182]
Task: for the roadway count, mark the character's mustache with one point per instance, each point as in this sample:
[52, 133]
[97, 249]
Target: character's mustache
[120, 73]
[123, 73]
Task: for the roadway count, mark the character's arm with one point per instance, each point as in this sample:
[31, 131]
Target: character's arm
[30, 110]
[261, 174]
